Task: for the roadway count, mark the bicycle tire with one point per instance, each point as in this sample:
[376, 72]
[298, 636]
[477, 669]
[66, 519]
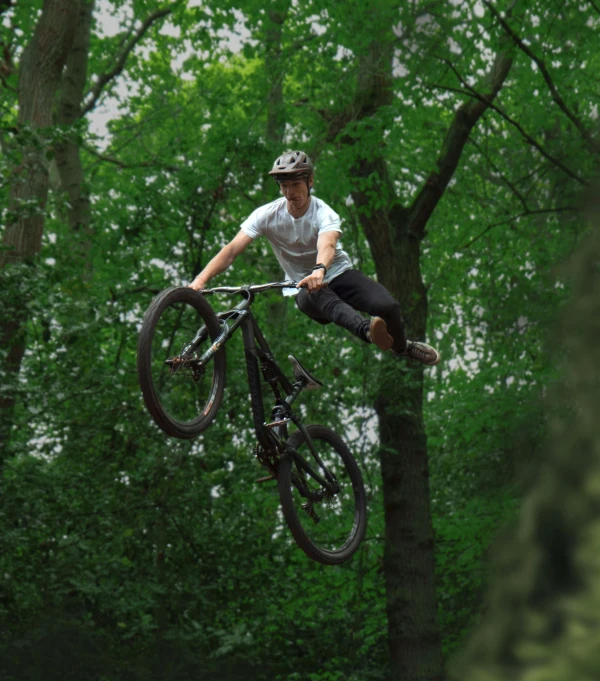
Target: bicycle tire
[182, 402]
[347, 510]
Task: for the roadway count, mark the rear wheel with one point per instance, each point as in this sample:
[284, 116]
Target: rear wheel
[328, 526]
[181, 392]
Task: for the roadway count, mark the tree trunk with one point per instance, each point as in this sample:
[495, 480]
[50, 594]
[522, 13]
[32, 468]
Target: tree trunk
[275, 70]
[39, 77]
[409, 565]
[68, 160]
[395, 234]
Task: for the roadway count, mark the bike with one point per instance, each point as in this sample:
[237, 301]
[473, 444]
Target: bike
[181, 367]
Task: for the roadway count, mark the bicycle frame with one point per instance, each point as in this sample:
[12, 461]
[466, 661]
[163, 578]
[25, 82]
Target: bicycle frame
[271, 436]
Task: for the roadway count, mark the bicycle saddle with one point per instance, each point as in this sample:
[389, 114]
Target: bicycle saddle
[301, 374]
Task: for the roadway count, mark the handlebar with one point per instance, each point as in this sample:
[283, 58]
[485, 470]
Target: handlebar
[255, 288]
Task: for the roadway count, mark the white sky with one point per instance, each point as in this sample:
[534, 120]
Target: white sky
[109, 23]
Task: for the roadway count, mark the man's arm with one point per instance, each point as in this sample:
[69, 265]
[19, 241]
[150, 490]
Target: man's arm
[326, 248]
[222, 260]
[325, 256]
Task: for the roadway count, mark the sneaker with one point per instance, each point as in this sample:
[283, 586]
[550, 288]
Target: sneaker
[421, 352]
[378, 334]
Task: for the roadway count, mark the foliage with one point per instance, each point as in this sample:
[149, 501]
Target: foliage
[542, 615]
[140, 557]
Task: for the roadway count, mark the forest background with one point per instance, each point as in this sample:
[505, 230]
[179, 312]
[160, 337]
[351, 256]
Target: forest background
[457, 140]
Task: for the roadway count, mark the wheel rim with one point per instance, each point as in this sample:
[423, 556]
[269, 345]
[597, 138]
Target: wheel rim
[183, 387]
[329, 521]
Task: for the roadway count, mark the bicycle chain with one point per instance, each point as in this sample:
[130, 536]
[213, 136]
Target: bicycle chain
[267, 460]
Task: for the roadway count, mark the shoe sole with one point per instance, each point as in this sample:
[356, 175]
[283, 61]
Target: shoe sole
[430, 364]
[405, 353]
[379, 334]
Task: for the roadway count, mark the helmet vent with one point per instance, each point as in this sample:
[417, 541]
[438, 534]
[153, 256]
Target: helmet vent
[293, 163]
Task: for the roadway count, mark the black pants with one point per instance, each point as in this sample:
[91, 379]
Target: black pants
[351, 291]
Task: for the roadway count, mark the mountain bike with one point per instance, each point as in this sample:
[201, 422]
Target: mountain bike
[181, 368]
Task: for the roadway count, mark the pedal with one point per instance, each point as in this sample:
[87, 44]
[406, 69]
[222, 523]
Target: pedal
[266, 478]
[277, 423]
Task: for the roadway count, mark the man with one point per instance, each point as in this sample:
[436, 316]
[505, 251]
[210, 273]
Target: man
[304, 233]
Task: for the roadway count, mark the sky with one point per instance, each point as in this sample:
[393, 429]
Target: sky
[109, 23]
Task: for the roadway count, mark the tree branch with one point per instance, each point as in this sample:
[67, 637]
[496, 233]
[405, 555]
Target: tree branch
[465, 119]
[6, 85]
[161, 112]
[511, 185]
[541, 169]
[591, 142]
[105, 78]
[530, 140]
[595, 6]
[562, 209]
[507, 182]
[127, 166]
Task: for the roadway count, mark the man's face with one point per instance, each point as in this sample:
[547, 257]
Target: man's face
[295, 191]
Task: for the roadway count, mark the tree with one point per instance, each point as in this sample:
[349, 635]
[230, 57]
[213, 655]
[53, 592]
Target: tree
[395, 233]
[105, 516]
[39, 78]
[47, 68]
[542, 605]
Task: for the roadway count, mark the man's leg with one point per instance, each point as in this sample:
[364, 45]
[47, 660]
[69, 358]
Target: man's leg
[362, 293]
[353, 290]
[325, 306]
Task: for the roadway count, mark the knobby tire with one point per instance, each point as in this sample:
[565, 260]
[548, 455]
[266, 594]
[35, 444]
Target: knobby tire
[353, 490]
[204, 412]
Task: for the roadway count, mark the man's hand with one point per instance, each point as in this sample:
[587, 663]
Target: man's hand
[314, 281]
[198, 284]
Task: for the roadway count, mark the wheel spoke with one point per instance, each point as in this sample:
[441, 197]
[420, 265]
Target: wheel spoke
[181, 392]
[182, 387]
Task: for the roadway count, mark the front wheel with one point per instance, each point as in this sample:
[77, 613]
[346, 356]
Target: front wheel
[181, 390]
[327, 525]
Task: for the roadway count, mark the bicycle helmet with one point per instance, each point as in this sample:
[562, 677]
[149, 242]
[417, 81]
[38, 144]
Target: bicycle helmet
[292, 164]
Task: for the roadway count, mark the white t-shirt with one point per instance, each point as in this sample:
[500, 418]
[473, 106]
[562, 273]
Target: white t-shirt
[294, 240]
